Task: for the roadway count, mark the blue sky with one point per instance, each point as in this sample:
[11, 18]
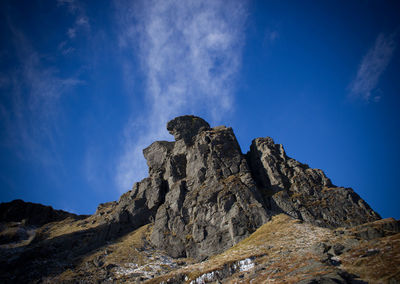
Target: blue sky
[86, 85]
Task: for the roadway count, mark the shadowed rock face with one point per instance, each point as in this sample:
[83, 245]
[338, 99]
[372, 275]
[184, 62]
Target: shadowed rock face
[31, 213]
[186, 127]
[211, 201]
[199, 193]
[204, 195]
[301, 192]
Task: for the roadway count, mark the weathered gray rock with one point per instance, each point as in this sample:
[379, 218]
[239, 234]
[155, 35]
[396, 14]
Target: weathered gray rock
[212, 201]
[135, 208]
[186, 127]
[377, 229]
[294, 188]
[204, 195]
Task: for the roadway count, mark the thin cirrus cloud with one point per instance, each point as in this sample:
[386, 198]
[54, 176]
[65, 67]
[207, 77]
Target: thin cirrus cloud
[33, 102]
[81, 23]
[371, 68]
[189, 54]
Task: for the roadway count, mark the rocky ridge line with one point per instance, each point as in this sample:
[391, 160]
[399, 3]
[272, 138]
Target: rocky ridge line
[32, 214]
[204, 195]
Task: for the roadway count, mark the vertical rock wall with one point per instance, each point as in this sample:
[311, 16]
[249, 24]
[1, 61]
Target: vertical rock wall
[204, 195]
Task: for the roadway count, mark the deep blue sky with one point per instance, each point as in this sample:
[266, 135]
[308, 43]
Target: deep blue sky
[86, 85]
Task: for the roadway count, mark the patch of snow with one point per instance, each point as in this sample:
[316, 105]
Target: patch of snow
[206, 277]
[129, 268]
[157, 264]
[241, 265]
[335, 258]
[246, 264]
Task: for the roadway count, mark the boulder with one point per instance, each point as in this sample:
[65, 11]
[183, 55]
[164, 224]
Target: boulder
[186, 127]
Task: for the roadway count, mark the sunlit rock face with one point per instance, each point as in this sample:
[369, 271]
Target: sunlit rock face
[204, 195]
[211, 201]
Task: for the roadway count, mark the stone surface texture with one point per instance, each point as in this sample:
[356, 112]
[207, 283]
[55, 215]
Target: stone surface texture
[204, 195]
[301, 192]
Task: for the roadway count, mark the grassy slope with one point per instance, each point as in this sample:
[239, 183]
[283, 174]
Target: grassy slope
[281, 250]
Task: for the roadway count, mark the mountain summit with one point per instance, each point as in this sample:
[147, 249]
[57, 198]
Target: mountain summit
[202, 197]
[205, 195]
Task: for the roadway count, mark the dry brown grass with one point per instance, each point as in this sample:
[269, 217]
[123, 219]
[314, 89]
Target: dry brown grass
[124, 250]
[325, 189]
[280, 249]
[127, 249]
[66, 226]
[377, 268]
[281, 244]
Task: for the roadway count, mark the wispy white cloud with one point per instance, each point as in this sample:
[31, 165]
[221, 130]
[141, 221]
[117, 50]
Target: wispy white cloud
[80, 24]
[76, 8]
[34, 92]
[71, 4]
[82, 20]
[190, 53]
[372, 66]
[64, 48]
[71, 33]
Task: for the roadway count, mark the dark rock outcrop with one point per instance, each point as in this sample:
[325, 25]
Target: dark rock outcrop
[204, 195]
[211, 201]
[301, 192]
[31, 213]
[186, 127]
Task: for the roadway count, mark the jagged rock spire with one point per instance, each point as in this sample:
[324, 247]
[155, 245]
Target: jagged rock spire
[204, 195]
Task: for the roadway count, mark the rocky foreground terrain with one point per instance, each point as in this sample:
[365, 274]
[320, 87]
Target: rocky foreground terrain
[207, 213]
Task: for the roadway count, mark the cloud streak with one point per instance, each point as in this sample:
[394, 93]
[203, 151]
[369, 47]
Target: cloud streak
[81, 23]
[32, 107]
[372, 66]
[189, 54]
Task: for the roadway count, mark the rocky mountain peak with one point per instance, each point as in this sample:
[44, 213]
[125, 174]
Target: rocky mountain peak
[202, 196]
[186, 127]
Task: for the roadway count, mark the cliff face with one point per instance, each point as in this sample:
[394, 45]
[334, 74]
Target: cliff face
[202, 197]
[307, 194]
[211, 201]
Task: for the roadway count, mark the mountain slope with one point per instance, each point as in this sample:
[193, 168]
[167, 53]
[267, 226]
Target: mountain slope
[282, 250]
[205, 200]
[288, 250]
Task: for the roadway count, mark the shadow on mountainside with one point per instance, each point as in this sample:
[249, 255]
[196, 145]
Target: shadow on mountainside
[50, 257]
